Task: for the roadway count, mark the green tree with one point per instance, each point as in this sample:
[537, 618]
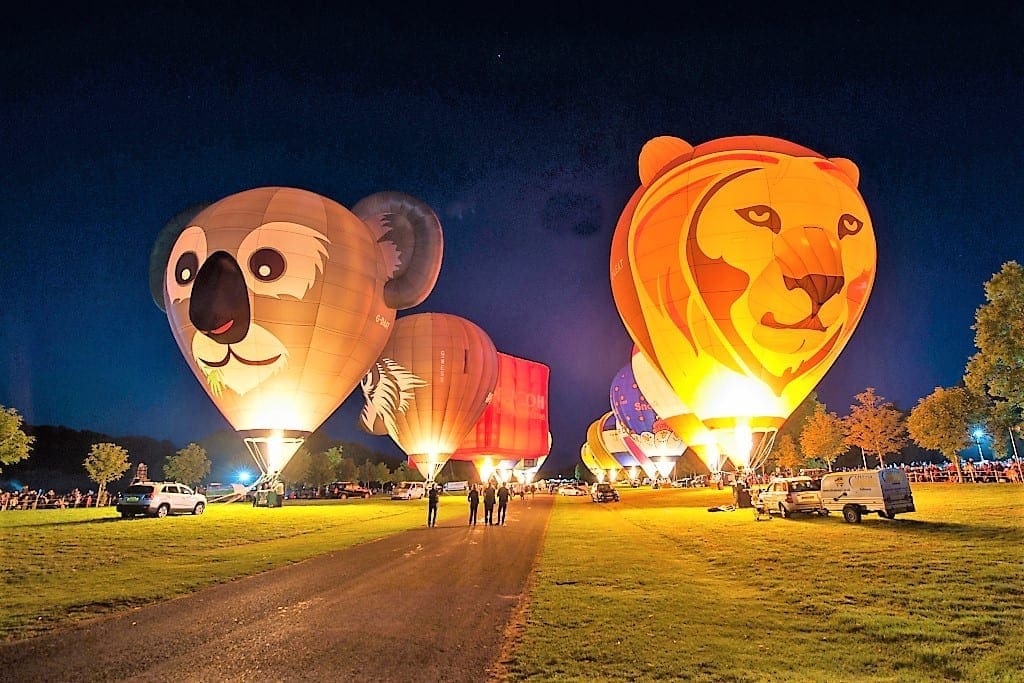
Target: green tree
[383, 474]
[942, 422]
[786, 452]
[996, 370]
[823, 436]
[105, 463]
[348, 470]
[404, 473]
[335, 455]
[319, 470]
[297, 468]
[875, 426]
[189, 465]
[15, 445]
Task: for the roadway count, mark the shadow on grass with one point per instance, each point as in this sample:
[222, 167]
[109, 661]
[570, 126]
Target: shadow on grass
[955, 530]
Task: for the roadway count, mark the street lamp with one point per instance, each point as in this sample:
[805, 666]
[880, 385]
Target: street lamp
[978, 433]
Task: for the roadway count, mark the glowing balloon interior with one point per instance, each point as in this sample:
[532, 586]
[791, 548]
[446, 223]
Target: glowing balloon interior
[430, 385]
[280, 299]
[740, 269]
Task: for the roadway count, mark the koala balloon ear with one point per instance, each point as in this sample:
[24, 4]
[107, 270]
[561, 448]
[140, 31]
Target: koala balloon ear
[410, 237]
[162, 250]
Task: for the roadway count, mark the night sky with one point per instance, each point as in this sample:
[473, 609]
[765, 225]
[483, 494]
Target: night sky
[522, 132]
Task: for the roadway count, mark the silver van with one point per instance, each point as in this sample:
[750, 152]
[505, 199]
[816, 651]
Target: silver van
[408, 490]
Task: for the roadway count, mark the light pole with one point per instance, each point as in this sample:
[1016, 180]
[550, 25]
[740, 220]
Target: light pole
[978, 433]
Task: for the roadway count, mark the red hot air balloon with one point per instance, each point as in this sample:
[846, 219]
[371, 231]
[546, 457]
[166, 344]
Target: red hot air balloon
[514, 426]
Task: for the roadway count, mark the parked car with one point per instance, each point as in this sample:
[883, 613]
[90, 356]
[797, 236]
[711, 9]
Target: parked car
[886, 491]
[567, 490]
[604, 493]
[348, 489]
[786, 495]
[681, 483]
[408, 490]
[159, 499]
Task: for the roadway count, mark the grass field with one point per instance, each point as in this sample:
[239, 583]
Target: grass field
[652, 588]
[658, 588]
[59, 566]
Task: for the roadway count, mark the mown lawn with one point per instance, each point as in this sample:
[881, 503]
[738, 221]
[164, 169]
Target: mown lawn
[659, 588]
[59, 566]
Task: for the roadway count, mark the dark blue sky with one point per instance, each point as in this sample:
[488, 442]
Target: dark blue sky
[522, 132]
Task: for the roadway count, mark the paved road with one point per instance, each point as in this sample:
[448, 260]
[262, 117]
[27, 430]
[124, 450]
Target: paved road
[424, 605]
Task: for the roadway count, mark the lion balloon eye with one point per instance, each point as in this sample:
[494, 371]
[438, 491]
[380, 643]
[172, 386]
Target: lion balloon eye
[762, 216]
[849, 225]
[266, 264]
[186, 268]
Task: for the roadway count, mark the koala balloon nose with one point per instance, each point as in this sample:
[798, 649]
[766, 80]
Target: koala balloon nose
[219, 307]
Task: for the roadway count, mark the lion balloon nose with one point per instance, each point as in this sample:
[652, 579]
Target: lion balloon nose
[219, 307]
[810, 260]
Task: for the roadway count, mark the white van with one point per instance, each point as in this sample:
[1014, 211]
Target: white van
[408, 490]
[886, 491]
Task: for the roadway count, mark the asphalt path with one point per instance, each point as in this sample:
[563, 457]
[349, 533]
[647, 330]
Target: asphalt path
[430, 604]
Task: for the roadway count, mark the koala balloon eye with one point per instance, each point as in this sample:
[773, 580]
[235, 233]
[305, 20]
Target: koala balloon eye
[266, 264]
[186, 268]
[762, 216]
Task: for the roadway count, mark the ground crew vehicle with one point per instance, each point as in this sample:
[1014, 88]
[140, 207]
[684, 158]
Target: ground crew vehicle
[786, 495]
[885, 491]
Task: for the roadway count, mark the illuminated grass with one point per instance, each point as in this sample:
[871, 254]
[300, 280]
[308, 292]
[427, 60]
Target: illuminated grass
[58, 566]
[656, 587]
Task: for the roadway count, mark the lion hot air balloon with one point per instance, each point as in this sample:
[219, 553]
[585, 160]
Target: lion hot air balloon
[740, 268]
[281, 299]
[512, 434]
[429, 386]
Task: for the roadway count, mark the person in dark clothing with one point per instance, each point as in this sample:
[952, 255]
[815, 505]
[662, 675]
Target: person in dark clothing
[432, 499]
[474, 503]
[489, 505]
[503, 496]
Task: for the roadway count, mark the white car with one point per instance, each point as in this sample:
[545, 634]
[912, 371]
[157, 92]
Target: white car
[570, 491]
[409, 490]
[159, 499]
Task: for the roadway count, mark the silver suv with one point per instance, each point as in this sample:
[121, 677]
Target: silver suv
[786, 495]
[159, 499]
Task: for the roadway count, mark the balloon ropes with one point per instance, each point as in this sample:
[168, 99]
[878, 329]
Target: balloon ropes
[280, 300]
[740, 269]
[429, 386]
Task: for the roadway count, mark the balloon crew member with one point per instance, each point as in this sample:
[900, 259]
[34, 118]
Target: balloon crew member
[503, 496]
[474, 503]
[489, 504]
[432, 499]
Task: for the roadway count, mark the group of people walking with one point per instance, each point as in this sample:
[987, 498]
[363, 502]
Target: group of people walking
[491, 496]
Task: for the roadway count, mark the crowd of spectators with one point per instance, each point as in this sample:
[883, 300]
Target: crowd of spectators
[35, 499]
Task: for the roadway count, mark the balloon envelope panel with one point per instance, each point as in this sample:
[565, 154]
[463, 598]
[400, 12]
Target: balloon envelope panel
[515, 422]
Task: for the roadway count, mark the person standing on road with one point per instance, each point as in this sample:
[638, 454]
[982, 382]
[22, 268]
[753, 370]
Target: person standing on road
[474, 503]
[489, 505]
[432, 499]
[503, 496]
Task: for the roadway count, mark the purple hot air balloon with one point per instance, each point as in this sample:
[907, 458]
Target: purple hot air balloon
[648, 438]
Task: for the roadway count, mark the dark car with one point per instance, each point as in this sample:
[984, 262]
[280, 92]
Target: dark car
[348, 489]
[604, 493]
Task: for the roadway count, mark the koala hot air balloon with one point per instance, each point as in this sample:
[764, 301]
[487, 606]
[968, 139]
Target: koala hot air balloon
[281, 299]
[741, 268]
